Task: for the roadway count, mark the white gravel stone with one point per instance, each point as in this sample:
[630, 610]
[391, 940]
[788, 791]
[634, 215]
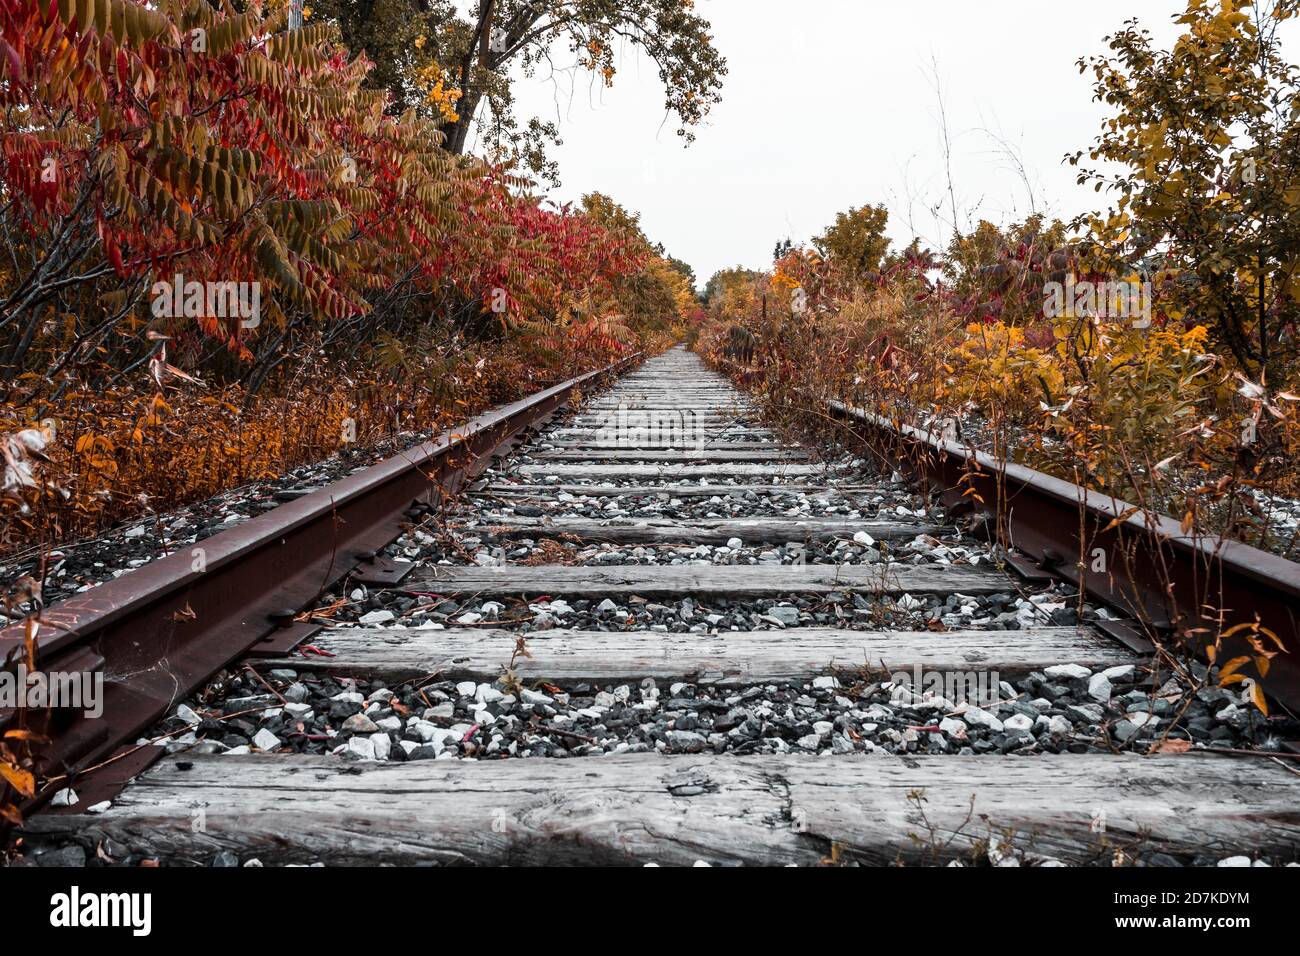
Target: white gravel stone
[953, 727]
[1073, 671]
[909, 603]
[362, 747]
[377, 617]
[977, 715]
[265, 740]
[423, 729]
[1018, 722]
[1099, 688]
[1058, 726]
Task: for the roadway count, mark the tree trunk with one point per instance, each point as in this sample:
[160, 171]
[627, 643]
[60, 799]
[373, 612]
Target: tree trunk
[458, 133]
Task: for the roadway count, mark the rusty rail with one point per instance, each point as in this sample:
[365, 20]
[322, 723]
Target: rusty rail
[161, 631]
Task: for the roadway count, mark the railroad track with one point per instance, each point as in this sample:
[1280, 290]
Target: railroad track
[657, 632]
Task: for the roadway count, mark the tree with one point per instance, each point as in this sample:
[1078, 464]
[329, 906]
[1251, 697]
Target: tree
[651, 298]
[992, 273]
[684, 268]
[736, 295]
[716, 289]
[856, 243]
[401, 36]
[1208, 139]
[256, 159]
[427, 48]
[672, 284]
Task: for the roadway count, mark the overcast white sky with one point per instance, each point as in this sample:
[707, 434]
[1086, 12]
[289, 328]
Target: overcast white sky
[831, 103]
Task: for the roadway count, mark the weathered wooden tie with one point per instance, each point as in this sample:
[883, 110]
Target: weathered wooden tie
[645, 808]
[751, 531]
[730, 581]
[566, 657]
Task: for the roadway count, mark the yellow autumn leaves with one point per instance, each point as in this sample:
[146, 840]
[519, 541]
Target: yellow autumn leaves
[439, 92]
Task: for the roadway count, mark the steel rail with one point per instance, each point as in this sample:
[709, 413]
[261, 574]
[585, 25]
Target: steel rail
[1134, 560]
[161, 631]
